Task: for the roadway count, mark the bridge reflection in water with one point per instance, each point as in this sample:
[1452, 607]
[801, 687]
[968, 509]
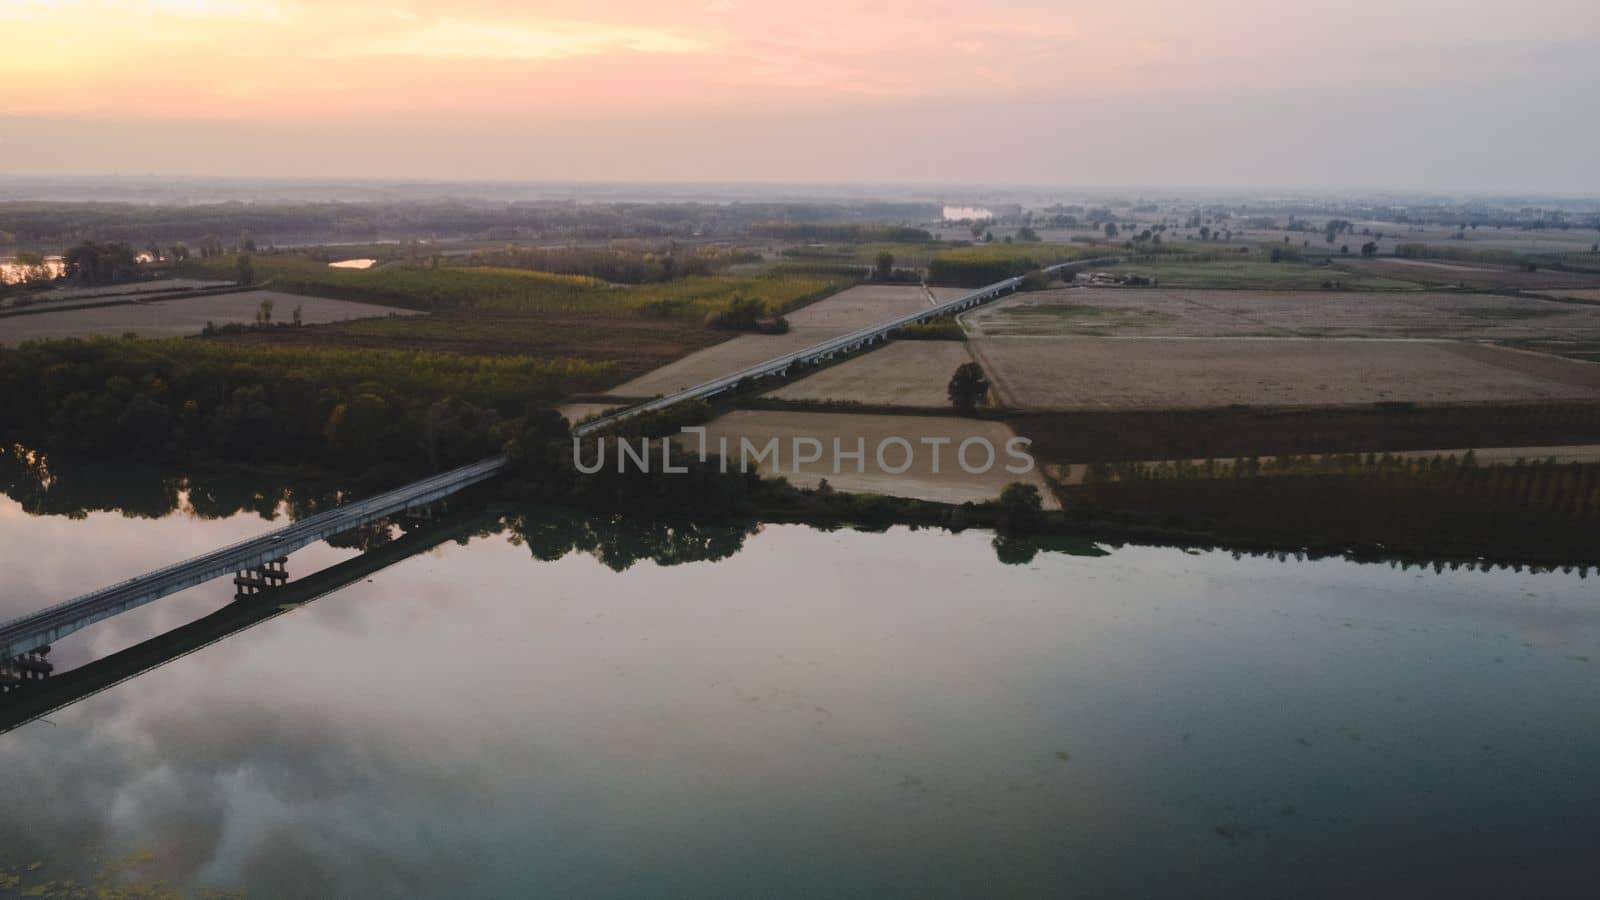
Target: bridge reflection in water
[32, 689]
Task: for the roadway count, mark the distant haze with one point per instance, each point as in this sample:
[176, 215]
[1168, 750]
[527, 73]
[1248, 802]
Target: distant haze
[1360, 94]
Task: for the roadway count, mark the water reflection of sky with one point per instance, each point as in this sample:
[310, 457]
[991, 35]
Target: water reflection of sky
[829, 714]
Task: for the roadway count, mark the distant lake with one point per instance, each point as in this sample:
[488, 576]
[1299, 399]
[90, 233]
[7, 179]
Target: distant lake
[957, 213]
[353, 264]
[11, 270]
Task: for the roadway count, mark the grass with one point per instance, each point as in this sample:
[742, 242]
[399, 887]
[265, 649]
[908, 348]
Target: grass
[515, 312]
[520, 291]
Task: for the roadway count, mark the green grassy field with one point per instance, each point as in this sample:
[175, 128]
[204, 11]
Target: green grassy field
[519, 291]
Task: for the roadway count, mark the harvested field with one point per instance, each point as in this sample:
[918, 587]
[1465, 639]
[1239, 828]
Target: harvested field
[728, 356]
[1136, 373]
[856, 307]
[577, 412]
[942, 294]
[1588, 295]
[860, 306]
[903, 373]
[1470, 275]
[1196, 313]
[1255, 275]
[949, 484]
[182, 316]
[65, 298]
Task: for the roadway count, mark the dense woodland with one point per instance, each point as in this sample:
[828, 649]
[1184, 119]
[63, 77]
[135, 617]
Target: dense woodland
[32, 223]
[174, 400]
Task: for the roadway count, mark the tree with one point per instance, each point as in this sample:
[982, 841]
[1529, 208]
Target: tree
[92, 263]
[1111, 229]
[884, 267]
[246, 269]
[1018, 508]
[1026, 233]
[968, 387]
[264, 312]
[1370, 248]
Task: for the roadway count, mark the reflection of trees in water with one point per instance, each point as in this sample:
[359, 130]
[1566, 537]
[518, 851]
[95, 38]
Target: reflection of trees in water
[618, 542]
[62, 487]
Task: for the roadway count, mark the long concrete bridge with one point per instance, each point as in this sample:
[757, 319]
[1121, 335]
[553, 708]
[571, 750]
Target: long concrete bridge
[39, 629]
[254, 562]
[45, 695]
[856, 340]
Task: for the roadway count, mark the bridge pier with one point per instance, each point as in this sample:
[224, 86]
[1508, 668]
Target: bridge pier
[427, 511]
[272, 573]
[33, 665]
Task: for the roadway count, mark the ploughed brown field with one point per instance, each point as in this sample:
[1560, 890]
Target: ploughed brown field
[1163, 312]
[1073, 373]
[902, 373]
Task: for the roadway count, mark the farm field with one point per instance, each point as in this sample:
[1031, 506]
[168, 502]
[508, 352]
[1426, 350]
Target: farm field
[1069, 373]
[861, 306]
[717, 360]
[1257, 274]
[634, 345]
[950, 484]
[1163, 312]
[902, 373]
[1588, 295]
[67, 297]
[577, 412]
[1436, 273]
[853, 308]
[182, 316]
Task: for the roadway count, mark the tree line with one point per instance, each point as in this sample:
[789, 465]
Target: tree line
[346, 409]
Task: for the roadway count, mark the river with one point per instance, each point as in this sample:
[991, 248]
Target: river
[552, 705]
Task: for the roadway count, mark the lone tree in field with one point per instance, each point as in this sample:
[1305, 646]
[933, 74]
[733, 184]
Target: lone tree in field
[885, 266]
[968, 386]
[246, 268]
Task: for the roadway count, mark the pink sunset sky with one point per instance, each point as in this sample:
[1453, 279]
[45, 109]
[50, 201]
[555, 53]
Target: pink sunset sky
[1357, 93]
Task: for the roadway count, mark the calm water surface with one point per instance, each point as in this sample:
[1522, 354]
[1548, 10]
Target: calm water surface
[819, 714]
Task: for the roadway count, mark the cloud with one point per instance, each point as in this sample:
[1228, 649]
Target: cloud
[552, 40]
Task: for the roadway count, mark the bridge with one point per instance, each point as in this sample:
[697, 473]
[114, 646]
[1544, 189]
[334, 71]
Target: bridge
[39, 629]
[827, 350]
[44, 696]
[257, 563]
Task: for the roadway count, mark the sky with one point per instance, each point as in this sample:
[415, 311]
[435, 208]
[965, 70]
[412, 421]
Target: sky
[1382, 94]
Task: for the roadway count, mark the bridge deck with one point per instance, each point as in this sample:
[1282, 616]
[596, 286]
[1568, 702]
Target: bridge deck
[55, 622]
